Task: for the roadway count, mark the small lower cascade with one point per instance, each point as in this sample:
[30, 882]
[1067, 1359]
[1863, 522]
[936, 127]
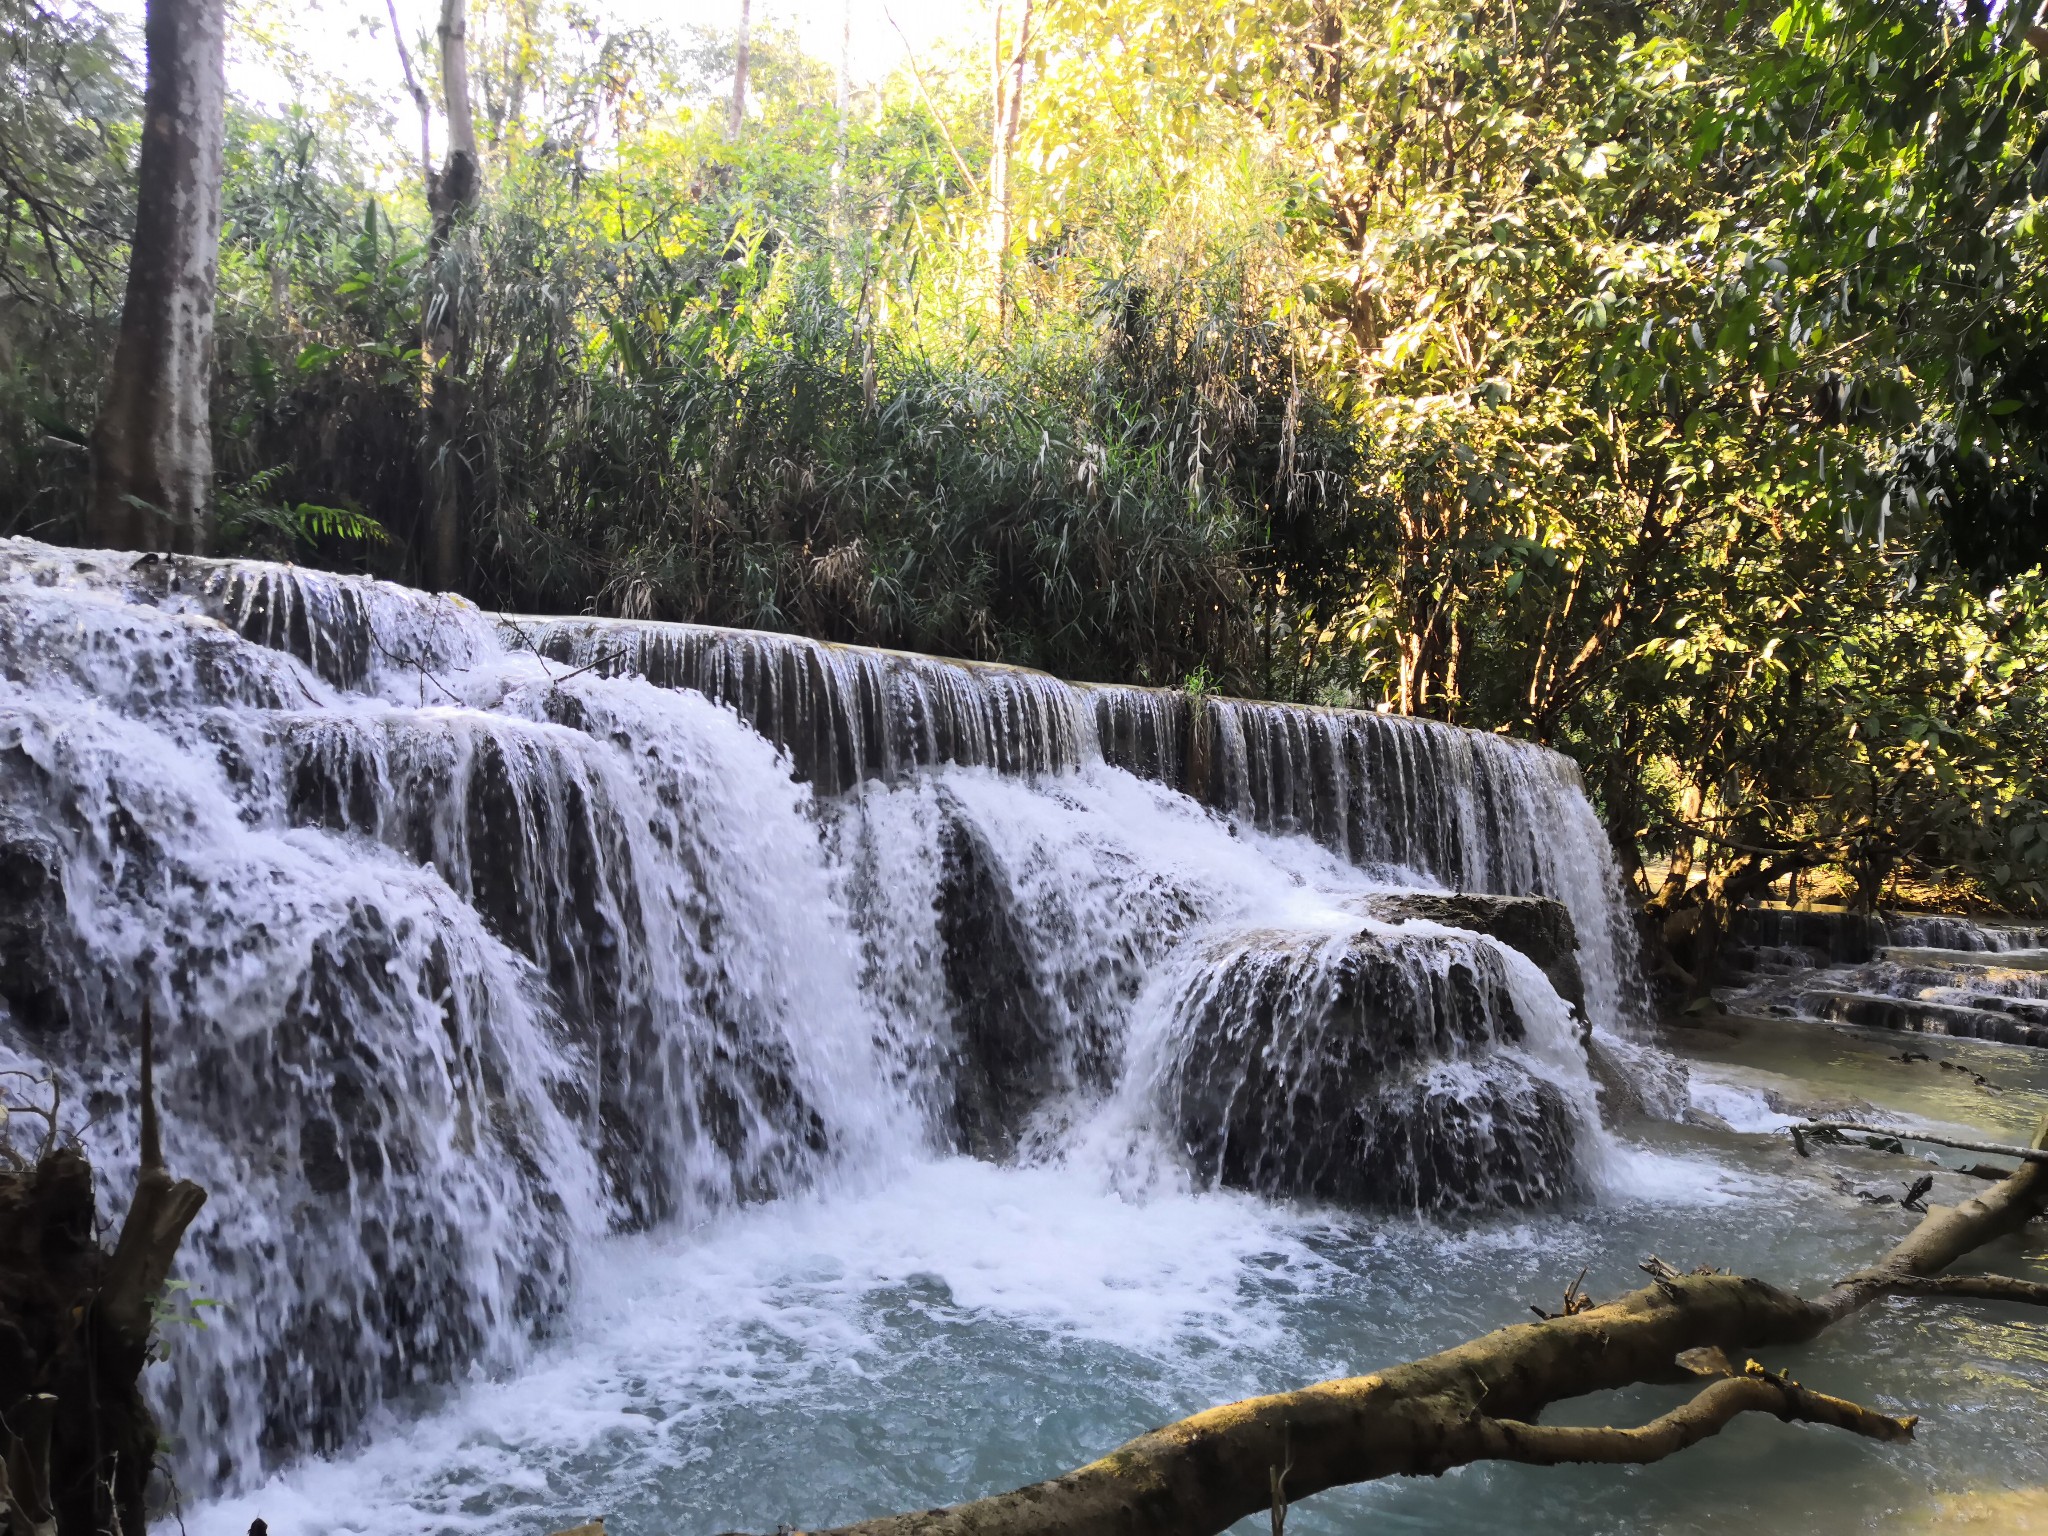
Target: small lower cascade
[1472, 811]
[1920, 973]
[469, 941]
[1831, 935]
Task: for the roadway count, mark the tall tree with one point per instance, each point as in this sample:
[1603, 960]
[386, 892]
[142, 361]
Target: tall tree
[739, 70]
[152, 451]
[452, 191]
[1006, 110]
[842, 97]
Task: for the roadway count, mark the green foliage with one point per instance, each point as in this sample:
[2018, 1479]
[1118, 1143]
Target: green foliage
[252, 523]
[1690, 350]
[176, 1307]
[1666, 385]
[68, 101]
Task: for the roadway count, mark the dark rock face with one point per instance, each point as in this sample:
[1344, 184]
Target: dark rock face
[526, 832]
[1535, 926]
[33, 931]
[1039, 980]
[324, 623]
[1006, 1057]
[1369, 1071]
[2010, 1021]
[349, 1093]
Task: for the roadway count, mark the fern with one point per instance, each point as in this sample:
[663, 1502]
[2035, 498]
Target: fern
[249, 510]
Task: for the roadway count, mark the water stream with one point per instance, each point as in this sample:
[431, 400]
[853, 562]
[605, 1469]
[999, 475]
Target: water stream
[715, 1080]
[963, 1328]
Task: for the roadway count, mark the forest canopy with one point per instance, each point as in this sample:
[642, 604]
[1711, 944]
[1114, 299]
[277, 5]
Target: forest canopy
[1666, 384]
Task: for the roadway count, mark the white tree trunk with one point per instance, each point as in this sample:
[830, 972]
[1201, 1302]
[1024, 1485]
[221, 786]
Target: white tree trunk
[153, 449]
[739, 71]
[842, 100]
[1007, 116]
[451, 193]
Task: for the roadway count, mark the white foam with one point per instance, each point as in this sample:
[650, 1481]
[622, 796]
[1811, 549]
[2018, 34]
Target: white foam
[1739, 1105]
[777, 1302]
[1676, 1180]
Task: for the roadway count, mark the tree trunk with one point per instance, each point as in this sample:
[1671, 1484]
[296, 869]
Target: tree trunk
[1006, 116]
[451, 193]
[738, 114]
[842, 100]
[78, 1442]
[152, 450]
[1482, 1400]
[1327, 50]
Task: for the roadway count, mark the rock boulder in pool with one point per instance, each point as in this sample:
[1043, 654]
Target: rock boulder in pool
[1535, 925]
[1385, 1070]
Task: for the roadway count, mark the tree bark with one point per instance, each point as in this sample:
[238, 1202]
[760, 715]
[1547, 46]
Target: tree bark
[152, 449]
[77, 1439]
[842, 101]
[1481, 1400]
[451, 193]
[1006, 115]
[1994, 1148]
[738, 115]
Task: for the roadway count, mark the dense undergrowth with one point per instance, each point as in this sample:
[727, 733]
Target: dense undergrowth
[1661, 384]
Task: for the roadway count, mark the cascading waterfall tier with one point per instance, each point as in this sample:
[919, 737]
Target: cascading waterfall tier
[469, 940]
[1463, 809]
[1824, 935]
[1918, 972]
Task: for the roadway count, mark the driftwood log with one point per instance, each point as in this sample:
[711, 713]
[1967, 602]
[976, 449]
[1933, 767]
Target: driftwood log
[1482, 1400]
[78, 1442]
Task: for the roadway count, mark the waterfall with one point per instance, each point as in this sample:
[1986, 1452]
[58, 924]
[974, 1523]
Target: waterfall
[1830, 934]
[1462, 809]
[1923, 973]
[469, 940]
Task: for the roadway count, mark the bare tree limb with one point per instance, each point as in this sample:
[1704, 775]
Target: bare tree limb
[415, 90]
[931, 106]
[1707, 1414]
[737, 115]
[78, 1439]
[1946, 1233]
[162, 1209]
[1993, 1148]
[152, 1133]
[1005, 117]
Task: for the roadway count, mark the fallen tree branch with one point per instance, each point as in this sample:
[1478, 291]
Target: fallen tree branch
[1992, 1148]
[77, 1438]
[1543, 1445]
[1480, 1400]
[159, 1213]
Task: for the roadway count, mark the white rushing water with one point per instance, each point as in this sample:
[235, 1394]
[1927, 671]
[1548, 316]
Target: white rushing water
[658, 1064]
